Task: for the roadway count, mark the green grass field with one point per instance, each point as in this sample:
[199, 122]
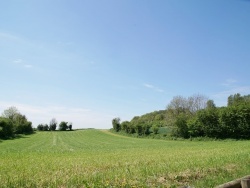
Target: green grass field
[93, 158]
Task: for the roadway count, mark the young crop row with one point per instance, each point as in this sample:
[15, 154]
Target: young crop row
[92, 158]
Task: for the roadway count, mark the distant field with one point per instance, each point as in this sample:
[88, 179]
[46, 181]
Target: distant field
[92, 158]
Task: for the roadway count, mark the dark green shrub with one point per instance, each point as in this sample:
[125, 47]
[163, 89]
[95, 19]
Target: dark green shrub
[6, 128]
[63, 126]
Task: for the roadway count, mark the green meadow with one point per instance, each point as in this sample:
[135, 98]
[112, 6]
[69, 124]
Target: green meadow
[96, 158]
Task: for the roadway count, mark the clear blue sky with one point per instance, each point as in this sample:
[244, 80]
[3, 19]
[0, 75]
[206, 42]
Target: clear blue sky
[88, 61]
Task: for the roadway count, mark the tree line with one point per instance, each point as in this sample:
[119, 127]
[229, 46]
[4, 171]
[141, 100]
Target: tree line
[63, 126]
[194, 116]
[13, 123]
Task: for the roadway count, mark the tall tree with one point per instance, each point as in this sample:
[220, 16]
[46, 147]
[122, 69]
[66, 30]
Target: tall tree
[197, 102]
[210, 104]
[235, 99]
[178, 105]
[52, 124]
[191, 104]
[116, 124]
[10, 113]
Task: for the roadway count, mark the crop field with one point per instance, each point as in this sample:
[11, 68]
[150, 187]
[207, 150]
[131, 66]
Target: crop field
[95, 158]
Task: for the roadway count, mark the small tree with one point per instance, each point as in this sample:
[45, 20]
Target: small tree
[63, 126]
[70, 126]
[45, 127]
[40, 127]
[116, 124]
[52, 124]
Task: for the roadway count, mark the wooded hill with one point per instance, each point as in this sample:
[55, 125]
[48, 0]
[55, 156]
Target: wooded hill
[195, 116]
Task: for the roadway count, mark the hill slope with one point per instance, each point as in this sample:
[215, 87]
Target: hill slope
[93, 158]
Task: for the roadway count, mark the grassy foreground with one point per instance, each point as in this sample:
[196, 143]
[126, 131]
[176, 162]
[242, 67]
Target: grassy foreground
[92, 158]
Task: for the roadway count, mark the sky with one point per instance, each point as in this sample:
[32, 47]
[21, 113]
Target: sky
[89, 61]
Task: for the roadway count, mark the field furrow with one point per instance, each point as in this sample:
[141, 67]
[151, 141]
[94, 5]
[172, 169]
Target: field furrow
[93, 158]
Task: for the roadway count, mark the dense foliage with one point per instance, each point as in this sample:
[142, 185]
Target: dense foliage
[226, 122]
[6, 128]
[12, 122]
[141, 125]
[63, 126]
[195, 116]
[232, 121]
[53, 124]
[42, 127]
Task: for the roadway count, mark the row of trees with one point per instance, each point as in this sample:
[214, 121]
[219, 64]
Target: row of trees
[195, 116]
[232, 121]
[225, 122]
[151, 122]
[12, 122]
[142, 125]
[63, 126]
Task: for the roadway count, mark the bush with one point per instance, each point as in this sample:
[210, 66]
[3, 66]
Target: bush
[181, 126]
[63, 126]
[226, 122]
[6, 128]
[24, 128]
[155, 129]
